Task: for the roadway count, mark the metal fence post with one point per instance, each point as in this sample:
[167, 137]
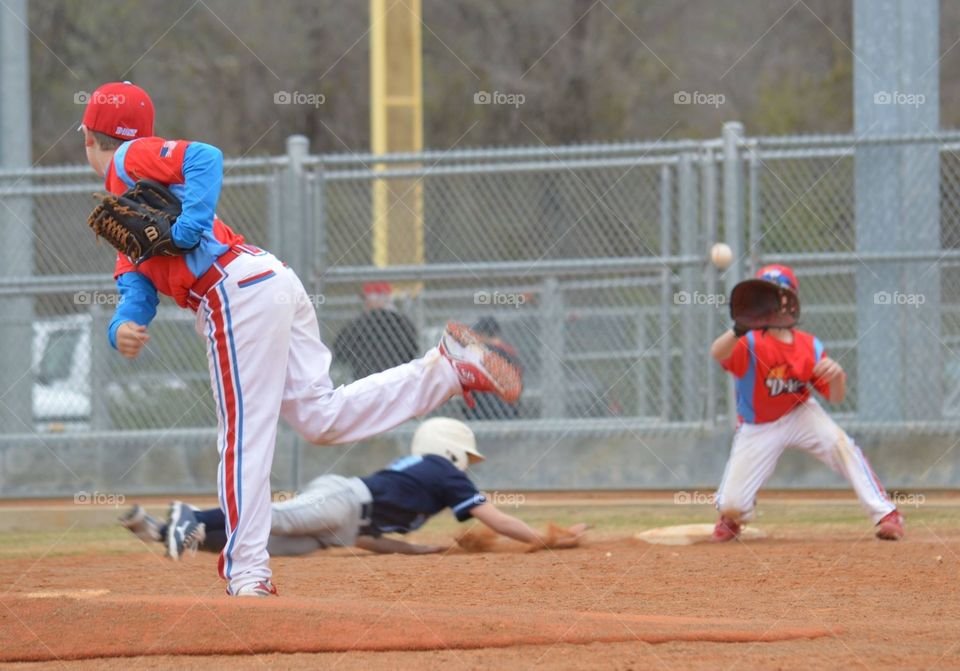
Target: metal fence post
[733, 224]
[897, 204]
[708, 214]
[666, 290]
[295, 224]
[99, 366]
[16, 220]
[275, 212]
[753, 166]
[690, 338]
[319, 247]
[733, 199]
[294, 236]
[553, 401]
[641, 373]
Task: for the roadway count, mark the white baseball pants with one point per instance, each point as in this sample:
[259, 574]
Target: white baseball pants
[757, 448]
[267, 361]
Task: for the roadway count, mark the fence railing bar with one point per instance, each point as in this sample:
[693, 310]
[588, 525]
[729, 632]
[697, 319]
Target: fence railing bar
[441, 170]
[82, 170]
[514, 153]
[56, 284]
[819, 258]
[787, 141]
[545, 267]
[28, 189]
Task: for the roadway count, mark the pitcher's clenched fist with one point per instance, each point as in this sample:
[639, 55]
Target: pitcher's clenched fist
[131, 337]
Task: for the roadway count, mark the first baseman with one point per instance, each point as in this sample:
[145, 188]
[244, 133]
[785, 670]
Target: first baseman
[336, 511]
[774, 370]
[264, 351]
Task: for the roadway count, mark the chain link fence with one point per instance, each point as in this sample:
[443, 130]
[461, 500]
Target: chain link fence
[587, 264]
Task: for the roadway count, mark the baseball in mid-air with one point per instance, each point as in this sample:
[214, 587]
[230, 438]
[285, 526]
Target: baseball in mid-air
[721, 255]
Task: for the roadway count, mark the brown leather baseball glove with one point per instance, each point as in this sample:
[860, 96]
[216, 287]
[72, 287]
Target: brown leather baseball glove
[138, 223]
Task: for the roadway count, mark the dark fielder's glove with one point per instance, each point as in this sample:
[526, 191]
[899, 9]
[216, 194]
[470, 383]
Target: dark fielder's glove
[761, 304]
[138, 223]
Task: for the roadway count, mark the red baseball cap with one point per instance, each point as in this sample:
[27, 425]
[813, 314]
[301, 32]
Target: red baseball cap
[779, 274]
[381, 288]
[121, 110]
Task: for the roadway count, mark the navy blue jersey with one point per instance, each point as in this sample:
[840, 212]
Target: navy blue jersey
[412, 489]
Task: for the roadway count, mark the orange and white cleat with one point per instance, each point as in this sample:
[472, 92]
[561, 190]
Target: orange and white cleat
[890, 528]
[479, 367]
[726, 530]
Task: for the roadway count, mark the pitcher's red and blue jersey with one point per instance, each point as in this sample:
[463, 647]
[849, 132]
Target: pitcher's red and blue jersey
[774, 377]
[194, 173]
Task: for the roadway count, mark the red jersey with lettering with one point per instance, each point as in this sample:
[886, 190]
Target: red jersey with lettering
[773, 377]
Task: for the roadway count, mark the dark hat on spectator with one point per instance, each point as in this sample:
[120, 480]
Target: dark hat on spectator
[487, 326]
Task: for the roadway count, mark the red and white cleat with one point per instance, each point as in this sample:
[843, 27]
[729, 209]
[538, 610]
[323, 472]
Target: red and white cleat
[890, 528]
[262, 588]
[479, 367]
[726, 530]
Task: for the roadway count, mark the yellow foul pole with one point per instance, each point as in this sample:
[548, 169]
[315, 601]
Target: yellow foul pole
[396, 121]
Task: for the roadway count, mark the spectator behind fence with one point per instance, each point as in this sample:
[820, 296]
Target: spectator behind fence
[380, 338]
[488, 405]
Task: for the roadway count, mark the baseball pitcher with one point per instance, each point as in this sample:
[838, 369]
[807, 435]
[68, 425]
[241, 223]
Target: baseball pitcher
[775, 366]
[265, 356]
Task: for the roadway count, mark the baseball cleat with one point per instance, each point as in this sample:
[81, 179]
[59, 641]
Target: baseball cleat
[262, 588]
[143, 526]
[478, 367]
[726, 530]
[184, 532]
[890, 528]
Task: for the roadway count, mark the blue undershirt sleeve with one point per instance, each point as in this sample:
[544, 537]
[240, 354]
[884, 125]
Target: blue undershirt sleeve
[202, 180]
[138, 303]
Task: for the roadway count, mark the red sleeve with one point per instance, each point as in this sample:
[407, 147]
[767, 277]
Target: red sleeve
[157, 159]
[123, 265]
[739, 359]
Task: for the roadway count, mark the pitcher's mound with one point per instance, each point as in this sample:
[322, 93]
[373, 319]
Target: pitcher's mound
[688, 534]
[126, 626]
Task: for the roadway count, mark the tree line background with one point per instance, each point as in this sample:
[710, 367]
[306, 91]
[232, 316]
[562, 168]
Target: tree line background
[588, 70]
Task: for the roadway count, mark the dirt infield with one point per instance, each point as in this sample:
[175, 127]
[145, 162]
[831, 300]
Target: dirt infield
[812, 594]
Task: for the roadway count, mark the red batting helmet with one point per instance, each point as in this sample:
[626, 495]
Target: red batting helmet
[779, 274]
